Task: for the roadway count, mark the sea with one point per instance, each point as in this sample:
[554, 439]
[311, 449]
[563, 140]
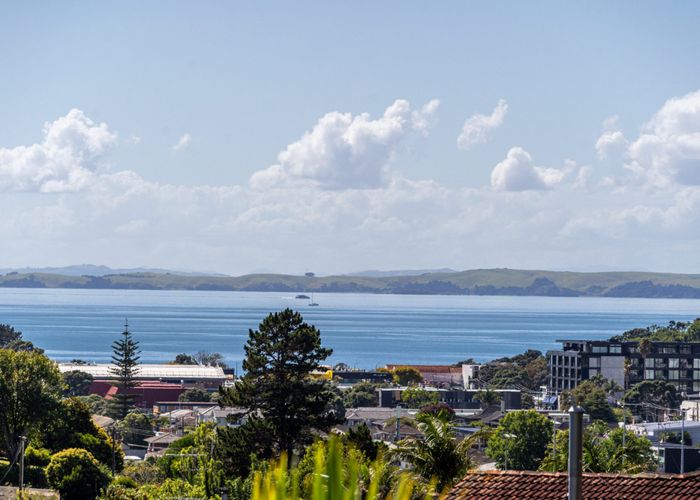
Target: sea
[364, 330]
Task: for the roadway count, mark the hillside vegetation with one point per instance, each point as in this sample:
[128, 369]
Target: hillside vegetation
[474, 282]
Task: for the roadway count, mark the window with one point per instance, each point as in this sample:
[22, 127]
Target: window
[685, 349]
[599, 349]
[594, 362]
[669, 349]
[673, 363]
[696, 386]
[649, 363]
[696, 374]
[615, 349]
[659, 375]
[649, 374]
[696, 363]
[673, 375]
[660, 363]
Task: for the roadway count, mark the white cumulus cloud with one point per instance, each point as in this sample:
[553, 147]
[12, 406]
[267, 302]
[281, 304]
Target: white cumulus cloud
[343, 151]
[517, 173]
[477, 128]
[65, 159]
[610, 143]
[668, 149]
[183, 142]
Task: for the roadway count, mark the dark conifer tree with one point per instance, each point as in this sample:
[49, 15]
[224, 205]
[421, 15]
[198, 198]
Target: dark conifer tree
[277, 389]
[125, 362]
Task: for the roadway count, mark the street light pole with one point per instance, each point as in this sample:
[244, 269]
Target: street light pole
[682, 441]
[22, 440]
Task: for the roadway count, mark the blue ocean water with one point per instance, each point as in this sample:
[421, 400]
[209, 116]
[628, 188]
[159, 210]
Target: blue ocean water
[365, 330]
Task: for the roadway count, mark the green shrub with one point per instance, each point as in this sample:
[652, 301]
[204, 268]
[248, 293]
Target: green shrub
[37, 456]
[76, 475]
[125, 482]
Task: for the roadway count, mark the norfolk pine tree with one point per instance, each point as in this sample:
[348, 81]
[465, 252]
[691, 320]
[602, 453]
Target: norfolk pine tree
[125, 360]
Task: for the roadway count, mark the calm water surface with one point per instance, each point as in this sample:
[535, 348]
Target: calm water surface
[365, 330]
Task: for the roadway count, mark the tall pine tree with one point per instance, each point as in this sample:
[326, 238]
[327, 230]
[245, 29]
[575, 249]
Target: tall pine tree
[125, 362]
[284, 403]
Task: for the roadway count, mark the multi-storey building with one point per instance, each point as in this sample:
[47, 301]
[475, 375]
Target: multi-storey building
[675, 362]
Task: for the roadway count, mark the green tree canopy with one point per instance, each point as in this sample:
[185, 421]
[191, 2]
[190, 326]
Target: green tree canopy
[436, 455]
[76, 475]
[195, 394]
[651, 397]
[12, 339]
[277, 387]
[30, 386]
[361, 394]
[76, 383]
[135, 428]
[603, 451]
[406, 375]
[360, 438]
[593, 398]
[520, 440]
[125, 362]
[416, 397]
[184, 359]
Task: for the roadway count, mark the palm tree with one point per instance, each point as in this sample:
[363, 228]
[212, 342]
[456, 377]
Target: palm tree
[437, 456]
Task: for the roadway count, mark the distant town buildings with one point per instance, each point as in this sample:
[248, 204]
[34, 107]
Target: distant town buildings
[208, 377]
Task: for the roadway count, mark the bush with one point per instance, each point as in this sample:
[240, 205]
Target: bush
[76, 475]
[33, 475]
[37, 456]
[125, 482]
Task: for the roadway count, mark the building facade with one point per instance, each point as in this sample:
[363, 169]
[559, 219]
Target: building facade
[623, 363]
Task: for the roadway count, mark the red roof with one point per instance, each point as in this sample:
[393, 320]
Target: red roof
[429, 368]
[548, 485]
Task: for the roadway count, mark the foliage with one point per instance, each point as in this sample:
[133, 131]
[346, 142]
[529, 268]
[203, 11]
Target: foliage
[205, 358]
[675, 438]
[416, 397]
[12, 339]
[520, 440]
[673, 332]
[184, 359]
[603, 451]
[280, 356]
[238, 444]
[436, 456]
[95, 403]
[135, 428]
[435, 409]
[37, 456]
[173, 488]
[653, 396]
[195, 394]
[528, 370]
[361, 394]
[360, 438]
[406, 375]
[30, 385]
[70, 426]
[326, 473]
[143, 472]
[125, 360]
[591, 395]
[76, 383]
[487, 398]
[76, 475]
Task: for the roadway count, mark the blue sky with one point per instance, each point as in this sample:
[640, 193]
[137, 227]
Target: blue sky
[237, 84]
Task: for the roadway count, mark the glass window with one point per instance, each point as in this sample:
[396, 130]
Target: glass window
[669, 349]
[659, 375]
[673, 375]
[696, 386]
[660, 363]
[649, 374]
[696, 374]
[685, 349]
[649, 362]
[594, 362]
[696, 363]
[673, 363]
[615, 349]
[599, 349]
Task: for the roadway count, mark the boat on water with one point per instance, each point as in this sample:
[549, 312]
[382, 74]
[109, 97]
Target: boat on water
[302, 296]
[312, 303]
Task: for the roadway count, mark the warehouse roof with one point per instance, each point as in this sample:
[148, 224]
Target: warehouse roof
[102, 371]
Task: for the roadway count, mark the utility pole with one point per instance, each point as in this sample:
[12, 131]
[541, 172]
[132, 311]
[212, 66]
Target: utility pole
[22, 441]
[682, 441]
[114, 451]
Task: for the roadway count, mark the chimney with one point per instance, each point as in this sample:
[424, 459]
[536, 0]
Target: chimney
[575, 451]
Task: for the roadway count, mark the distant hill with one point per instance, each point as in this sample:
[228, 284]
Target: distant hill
[404, 272]
[92, 270]
[474, 282]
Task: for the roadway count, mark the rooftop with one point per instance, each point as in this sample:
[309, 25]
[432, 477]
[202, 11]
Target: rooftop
[103, 371]
[548, 485]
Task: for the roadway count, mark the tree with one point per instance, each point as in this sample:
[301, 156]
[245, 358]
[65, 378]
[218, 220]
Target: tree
[125, 360]
[30, 385]
[644, 347]
[487, 398]
[277, 386]
[361, 394]
[653, 396]
[12, 339]
[603, 451]
[520, 440]
[591, 395]
[184, 359]
[406, 375]
[135, 428]
[76, 383]
[205, 358]
[70, 425]
[415, 397]
[195, 394]
[360, 438]
[76, 475]
[437, 455]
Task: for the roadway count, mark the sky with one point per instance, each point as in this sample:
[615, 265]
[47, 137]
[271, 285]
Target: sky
[337, 137]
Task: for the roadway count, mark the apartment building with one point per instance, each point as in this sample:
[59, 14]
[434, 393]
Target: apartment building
[675, 362]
